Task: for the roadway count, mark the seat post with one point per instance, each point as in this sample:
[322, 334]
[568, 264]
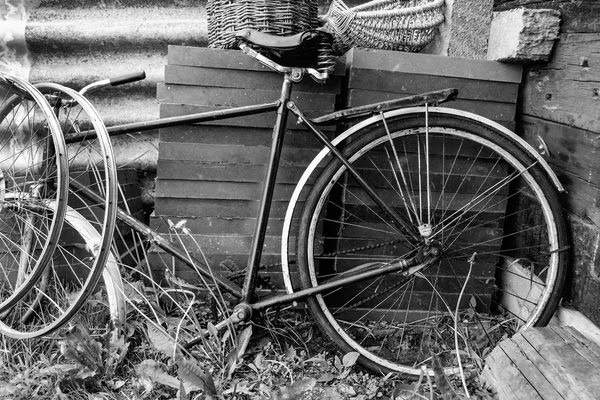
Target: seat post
[262, 219]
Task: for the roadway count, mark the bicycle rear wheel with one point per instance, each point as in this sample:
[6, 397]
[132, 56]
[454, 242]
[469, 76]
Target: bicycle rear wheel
[33, 167]
[462, 185]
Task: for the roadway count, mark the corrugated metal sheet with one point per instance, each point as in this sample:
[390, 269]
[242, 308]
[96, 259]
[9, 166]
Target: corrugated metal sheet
[77, 42]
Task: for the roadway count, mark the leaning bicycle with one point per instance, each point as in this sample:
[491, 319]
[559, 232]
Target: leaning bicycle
[415, 216]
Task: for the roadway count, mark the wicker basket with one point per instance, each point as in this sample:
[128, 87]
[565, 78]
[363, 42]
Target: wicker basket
[402, 25]
[278, 17]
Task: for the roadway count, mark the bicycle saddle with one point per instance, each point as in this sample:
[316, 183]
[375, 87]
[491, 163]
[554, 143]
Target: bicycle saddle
[299, 50]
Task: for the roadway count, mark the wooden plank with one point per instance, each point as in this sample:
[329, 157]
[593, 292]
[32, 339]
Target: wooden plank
[571, 367]
[515, 383]
[232, 154]
[579, 16]
[556, 377]
[571, 149]
[235, 97]
[227, 244]
[573, 157]
[583, 198]
[163, 259]
[567, 90]
[198, 76]
[578, 336]
[216, 208]
[491, 382]
[218, 190]
[586, 349]
[427, 64]
[398, 81]
[264, 120]
[225, 59]
[527, 368]
[493, 110]
[218, 225]
[189, 170]
[246, 136]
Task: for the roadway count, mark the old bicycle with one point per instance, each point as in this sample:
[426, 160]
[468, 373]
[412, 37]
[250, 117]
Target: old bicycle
[413, 212]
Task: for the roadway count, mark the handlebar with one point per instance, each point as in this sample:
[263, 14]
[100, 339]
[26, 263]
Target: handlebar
[116, 81]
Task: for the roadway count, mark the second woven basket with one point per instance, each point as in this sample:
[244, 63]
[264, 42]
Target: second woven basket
[402, 25]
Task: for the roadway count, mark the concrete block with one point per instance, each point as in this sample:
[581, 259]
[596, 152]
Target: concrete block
[523, 35]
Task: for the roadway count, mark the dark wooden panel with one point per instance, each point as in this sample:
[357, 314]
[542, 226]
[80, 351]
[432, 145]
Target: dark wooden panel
[219, 190]
[567, 90]
[231, 154]
[571, 149]
[414, 83]
[215, 208]
[264, 120]
[217, 225]
[235, 97]
[247, 136]
[427, 64]
[188, 170]
[500, 112]
[240, 78]
[225, 59]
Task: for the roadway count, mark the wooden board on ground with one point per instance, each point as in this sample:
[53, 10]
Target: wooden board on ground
[545, 363]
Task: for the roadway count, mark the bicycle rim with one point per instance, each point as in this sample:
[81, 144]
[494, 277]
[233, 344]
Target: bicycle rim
[490, 207]
[91, 160]
[69, 283]
[34, 168]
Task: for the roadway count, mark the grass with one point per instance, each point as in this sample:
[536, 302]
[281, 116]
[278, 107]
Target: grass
[279, 355]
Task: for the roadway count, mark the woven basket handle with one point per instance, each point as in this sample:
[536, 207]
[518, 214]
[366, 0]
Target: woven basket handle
[340, 17]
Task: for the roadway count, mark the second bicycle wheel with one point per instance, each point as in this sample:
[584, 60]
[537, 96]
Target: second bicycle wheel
[90, 157]
[460, 185]
[33, 168]
[70, 282]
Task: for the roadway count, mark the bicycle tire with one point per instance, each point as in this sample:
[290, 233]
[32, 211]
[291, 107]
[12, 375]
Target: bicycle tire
[90, 159]
[340, 232]
[34, 167]
[78, 265]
